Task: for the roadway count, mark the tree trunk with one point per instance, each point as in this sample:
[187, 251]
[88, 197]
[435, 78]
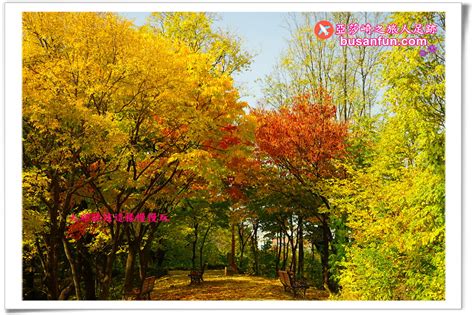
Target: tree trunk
[232, 251]
[293, 256]
[106, 273]
[88, 277]
[293, 246]
[285, 241]
[74, 272]
[53, 241]
[255, 248]
[130, 267]
[194, 244]
[144, 254]
[278, 255]
[242, 243]
[241, 258]
[300, 247]
[143, 262]
[201, 249]
[52, 266]
[325, 253]
[106, 277]
[232, 263]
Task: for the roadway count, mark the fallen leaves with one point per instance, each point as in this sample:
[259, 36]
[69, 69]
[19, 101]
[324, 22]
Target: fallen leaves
[216, 286]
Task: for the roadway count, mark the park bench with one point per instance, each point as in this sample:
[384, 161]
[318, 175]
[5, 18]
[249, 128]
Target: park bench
[142, 293]
[195, 276]
[290, 283]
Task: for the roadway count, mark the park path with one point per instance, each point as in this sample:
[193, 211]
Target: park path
[217, 286]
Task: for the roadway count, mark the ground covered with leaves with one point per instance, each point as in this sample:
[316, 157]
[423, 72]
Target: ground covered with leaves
[217, 286]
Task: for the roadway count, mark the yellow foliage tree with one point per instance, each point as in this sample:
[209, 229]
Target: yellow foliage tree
[115, 120]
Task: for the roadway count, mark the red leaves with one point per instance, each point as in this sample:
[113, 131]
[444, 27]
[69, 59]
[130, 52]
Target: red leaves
[229, 138]
[77, 230]
[229, 128]
[86, 223]
[228, 141]
[306, 135]
[235, 193]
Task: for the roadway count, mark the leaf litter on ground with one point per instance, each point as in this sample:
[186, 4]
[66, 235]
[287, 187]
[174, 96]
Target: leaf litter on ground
[217, 286]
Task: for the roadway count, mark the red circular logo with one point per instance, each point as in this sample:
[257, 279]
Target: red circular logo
[323, 29]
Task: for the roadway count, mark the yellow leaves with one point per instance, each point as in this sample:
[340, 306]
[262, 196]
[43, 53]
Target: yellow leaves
[202, 164]
[137, 102]
[396, 234]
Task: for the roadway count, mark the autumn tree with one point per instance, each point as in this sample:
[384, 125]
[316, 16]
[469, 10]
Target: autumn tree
[395, 204]
[116, 121]
[304, 140]
[195, 29]
[62, 125]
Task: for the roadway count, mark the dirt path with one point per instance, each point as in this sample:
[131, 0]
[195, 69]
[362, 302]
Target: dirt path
[216, 286]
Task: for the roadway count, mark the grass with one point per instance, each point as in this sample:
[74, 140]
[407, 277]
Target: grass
[217, 286]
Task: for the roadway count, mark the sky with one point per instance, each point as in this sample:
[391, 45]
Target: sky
[263, 34]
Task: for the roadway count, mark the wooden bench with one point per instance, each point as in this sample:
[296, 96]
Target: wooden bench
[290, 283]
[195, 276]
[142, 293]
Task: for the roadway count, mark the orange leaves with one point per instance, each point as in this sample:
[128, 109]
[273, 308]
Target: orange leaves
[235, 193]
[228, 137]
[229, 128]
[305, 135]
[228, 141]
[77, 230]
[78, 227]
[242, 163]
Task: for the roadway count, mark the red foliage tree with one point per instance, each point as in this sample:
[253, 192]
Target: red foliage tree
[303, 138]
